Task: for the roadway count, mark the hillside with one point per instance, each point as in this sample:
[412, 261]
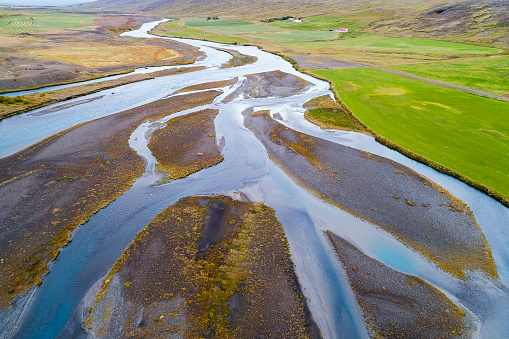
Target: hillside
[478, 21]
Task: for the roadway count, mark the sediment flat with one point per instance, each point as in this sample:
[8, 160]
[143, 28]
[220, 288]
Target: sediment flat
[421, 214]
[187, 144]
[397, 305]
[51, 187]
[204, 267]
[238, 59]
[267, 84]
[208, 85]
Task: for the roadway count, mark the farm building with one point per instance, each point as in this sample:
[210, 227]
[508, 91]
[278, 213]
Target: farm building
[341, 30]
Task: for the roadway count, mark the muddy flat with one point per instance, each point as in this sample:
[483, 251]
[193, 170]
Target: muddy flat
[50, 188]
[205, 267]
[418, 212]
[187, 144]
[268, 84]
[394, 304]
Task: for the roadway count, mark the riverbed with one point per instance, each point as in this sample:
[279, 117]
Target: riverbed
[58, 304]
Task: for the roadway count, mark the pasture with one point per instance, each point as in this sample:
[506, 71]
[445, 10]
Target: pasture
[172, 29]
[486, 74]
[464, 132]
[38, 22]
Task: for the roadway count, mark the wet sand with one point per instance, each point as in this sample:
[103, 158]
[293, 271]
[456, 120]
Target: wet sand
[187, 144]
[205, 267]
[55, 185]
[421, 214]
[398, 305]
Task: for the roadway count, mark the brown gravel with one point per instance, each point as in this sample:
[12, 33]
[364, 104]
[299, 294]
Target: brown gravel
[187, 144]
[268, 84]
[397, 305]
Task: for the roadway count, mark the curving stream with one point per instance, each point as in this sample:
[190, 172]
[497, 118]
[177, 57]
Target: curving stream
[58, 305]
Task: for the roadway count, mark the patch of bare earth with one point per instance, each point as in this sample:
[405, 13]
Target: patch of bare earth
[207, 267]
[187, 144]
[394, 304]
[269, 84]
[208, 85]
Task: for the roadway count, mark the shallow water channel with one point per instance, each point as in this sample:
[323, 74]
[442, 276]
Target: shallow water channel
[57, 306]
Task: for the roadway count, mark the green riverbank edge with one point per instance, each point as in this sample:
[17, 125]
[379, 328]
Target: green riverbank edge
[412, 155]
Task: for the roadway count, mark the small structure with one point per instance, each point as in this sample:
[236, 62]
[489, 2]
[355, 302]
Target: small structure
[341, 30]
[297, 20]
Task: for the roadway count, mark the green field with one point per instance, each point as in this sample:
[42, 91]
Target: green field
[467, 133]
[173, 29]
[296, 36]
[41, 21]
[487, 74]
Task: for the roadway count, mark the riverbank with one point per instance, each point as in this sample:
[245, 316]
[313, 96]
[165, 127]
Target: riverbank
[417, 211]
[38, 100]
[398, 305]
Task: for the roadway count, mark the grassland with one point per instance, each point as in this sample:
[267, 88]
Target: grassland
[173, 29]
[101, 55]
[487, 74]
[464, 132]
[37, 22]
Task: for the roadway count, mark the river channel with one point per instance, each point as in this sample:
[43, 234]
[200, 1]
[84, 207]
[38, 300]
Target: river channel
[56, 308]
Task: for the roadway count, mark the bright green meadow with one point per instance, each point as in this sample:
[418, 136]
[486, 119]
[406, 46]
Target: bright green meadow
[487, 74]
[467, 133]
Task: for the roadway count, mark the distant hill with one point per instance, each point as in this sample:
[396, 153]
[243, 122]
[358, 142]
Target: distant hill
[478, 21]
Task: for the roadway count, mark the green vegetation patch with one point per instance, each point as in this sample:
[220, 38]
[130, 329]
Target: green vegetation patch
[40, 21]
[487, 74]
[207, 267]
[172, 29]
[466, 133]
[424, 46]
[327, 113]
[297, 36]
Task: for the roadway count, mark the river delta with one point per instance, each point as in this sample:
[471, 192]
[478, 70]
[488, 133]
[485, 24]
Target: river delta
[203, 203]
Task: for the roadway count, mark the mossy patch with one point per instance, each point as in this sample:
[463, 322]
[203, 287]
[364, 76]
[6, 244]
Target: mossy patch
[227, 261]
[187, 144]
